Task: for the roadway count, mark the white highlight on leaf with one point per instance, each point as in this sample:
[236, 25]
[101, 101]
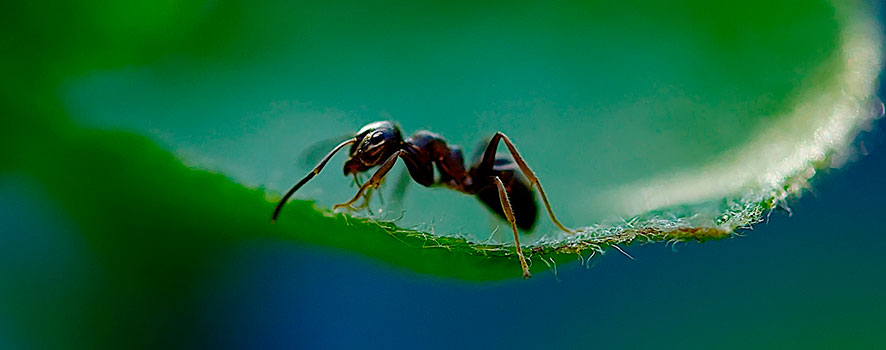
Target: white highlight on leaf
[778, 161]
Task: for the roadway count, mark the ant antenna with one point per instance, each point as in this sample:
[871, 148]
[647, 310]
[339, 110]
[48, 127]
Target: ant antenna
[309, 176]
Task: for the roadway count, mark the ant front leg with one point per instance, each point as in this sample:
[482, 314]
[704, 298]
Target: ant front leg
[367, 197]
[374, 181]
[488, 162]
[509, 214]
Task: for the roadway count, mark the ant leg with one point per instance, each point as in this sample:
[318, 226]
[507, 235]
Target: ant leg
[367, 197]
[489, 160]
[374, 181]
[364, 204]
[509, 213]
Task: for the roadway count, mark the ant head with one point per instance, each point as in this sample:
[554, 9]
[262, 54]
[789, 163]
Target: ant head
[375, 143]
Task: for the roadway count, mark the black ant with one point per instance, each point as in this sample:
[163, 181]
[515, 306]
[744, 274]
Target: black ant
[493, 179]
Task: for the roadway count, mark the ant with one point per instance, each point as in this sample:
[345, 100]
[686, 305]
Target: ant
[493, 178]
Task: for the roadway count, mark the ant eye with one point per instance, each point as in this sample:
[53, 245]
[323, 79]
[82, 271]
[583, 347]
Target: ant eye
[377, 138]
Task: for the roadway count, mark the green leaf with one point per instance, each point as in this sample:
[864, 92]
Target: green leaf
[135, 200]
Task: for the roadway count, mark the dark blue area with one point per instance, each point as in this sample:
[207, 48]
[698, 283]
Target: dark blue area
[46, 269]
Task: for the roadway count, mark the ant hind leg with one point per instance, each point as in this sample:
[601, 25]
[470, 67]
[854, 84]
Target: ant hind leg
[488, 161]
[509, 213]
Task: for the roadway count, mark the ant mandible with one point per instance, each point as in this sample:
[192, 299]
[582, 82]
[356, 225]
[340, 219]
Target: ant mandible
[493, 179]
